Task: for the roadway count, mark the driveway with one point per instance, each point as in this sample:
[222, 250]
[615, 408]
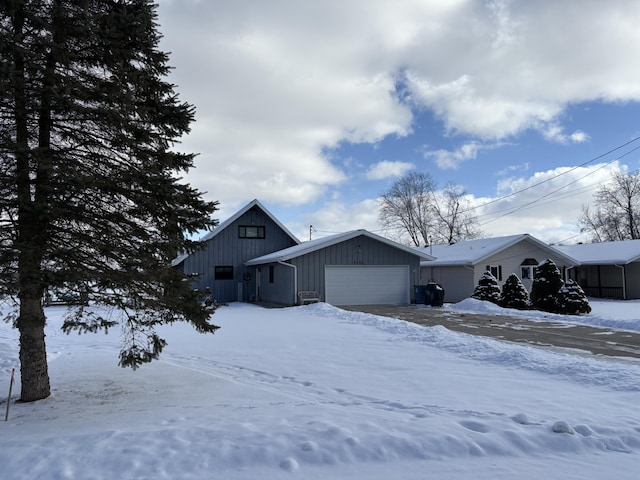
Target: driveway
[596, 340]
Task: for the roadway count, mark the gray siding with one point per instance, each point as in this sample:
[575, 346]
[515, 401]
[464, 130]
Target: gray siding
[279, 291]
[457, 281]
[227, 249]
[309, 268]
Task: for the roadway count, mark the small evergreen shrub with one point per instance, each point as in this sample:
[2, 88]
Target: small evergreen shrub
[547, 282]
[514, 294]
[487, 289]
[572, 299]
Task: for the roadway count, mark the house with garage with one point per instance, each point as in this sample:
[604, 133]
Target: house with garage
[220, 265]
[607, 269]
[352, 268]
[459, 266]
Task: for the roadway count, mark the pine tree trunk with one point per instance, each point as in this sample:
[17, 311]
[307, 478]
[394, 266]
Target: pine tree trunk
[34, 372]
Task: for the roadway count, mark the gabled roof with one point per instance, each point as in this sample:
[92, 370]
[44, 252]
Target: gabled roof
[473, 252]
[320, 243]
[605, 253]
[233, 218]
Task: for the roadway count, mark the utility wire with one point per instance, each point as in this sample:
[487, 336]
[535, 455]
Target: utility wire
[528, 204]
[495, 200]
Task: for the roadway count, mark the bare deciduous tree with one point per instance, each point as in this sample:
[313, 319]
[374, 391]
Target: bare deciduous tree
[453, 221]
[616, 211]
[415, 208]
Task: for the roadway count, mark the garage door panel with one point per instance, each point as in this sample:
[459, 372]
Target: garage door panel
[366, 285]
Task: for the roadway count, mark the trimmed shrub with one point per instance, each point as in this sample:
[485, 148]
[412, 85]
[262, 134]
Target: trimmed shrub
[487, 289]
[514, 294]
[572, 299]
[546, 285]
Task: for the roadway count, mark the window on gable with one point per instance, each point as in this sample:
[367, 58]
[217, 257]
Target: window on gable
[223, 272]
[251, 231]
[496, 271]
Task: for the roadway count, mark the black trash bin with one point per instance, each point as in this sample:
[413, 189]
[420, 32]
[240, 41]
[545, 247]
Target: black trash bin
[434, 295]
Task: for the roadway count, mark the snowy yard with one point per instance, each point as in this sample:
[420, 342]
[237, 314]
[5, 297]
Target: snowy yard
[316, 392]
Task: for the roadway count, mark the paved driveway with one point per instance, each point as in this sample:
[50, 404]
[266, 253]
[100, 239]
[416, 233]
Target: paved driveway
[599, 341]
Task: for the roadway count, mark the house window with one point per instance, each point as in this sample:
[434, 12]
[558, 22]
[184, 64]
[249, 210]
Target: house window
[528, 272]
[496, 271]
[223, 272]
[271, 273]
[251, 231]
[528, 268]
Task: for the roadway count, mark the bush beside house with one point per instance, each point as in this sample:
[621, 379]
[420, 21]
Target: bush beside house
[572, 299]
[487, 289]
[549, 293]
[547, 282]
[514, 294]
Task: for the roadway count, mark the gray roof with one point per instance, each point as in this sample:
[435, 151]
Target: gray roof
[473, 252]
[320, 243]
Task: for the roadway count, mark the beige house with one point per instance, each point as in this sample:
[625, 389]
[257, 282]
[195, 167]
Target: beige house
[458, 266]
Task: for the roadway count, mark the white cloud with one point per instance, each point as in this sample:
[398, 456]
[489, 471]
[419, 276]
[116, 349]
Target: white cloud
[386, 169]
[453, 158]
[546, 204]
[278, 83]
[502, 67]
[337, 217]
[554, 133]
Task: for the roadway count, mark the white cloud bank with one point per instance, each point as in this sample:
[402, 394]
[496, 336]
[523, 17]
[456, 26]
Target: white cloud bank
[278, 83]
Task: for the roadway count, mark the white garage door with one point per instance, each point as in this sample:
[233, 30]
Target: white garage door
[366, 285]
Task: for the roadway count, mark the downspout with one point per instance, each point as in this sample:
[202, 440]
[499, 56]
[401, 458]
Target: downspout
[624, 281]
[295, 280]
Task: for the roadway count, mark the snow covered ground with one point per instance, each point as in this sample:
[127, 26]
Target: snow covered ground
[316, 392]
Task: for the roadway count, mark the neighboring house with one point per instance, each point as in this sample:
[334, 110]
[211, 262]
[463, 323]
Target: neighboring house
[458, 266]
[220, 265]
[607, 269]
[353, 268]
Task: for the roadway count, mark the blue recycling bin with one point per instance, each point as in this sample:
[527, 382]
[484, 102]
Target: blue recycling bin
[420, 292]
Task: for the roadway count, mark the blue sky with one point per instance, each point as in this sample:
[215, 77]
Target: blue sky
[315, 107]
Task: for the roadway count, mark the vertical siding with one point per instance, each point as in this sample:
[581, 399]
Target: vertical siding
[227, 249]
[281, 291]
[361, 250]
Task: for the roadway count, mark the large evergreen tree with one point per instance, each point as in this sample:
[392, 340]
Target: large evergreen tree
[91, 199]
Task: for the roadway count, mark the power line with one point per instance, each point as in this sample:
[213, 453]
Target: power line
[561, 174]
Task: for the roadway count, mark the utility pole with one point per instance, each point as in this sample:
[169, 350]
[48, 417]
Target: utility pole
[310, 229]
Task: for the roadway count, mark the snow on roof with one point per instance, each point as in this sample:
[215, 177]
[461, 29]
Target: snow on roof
[471, 252]
[232, 219]
[605, 253]
[319, 243]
